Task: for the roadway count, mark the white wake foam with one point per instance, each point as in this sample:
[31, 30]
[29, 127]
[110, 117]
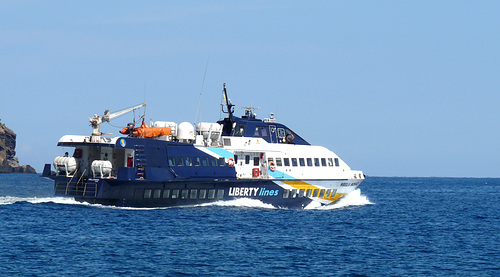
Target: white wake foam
[8, 200]
[242, 202]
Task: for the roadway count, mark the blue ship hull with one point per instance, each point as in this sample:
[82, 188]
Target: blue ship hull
[143, 193]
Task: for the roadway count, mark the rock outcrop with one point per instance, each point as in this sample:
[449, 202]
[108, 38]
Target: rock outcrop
[8, 161]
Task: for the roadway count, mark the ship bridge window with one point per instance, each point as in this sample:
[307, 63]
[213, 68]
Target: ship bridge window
[336, 161]
[281, 132]
[323, 161]
[240, 130]
[294, 162]
[286, 161]
[260, 131]
[316, 161]
[278, 162]
[302, 162]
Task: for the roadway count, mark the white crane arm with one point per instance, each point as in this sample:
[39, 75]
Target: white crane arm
[107, 116]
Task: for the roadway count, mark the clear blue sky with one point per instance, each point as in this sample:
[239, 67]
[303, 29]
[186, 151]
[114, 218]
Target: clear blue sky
[396, 88]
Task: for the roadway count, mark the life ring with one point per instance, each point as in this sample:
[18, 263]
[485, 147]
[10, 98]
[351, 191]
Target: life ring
[230, 162]
[272, 166]
[289, 138]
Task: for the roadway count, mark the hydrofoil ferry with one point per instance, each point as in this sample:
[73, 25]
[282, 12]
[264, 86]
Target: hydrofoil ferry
[169, 164]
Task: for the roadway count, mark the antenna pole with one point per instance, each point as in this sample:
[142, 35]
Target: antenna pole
[201, 90]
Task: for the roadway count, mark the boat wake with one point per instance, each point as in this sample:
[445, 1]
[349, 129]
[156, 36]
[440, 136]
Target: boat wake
[354, 198]
[8, 200]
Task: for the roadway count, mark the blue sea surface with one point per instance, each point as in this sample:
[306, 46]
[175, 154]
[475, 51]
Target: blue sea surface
[388, 227]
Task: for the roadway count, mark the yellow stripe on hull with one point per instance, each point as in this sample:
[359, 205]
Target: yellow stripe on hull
[305, 186]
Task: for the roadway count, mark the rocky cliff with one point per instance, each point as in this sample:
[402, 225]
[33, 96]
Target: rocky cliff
[8, 162]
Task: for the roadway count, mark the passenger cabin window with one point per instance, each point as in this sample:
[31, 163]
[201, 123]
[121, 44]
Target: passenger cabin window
[211, 193]
[184, 193]
[180, 161]
[235, 159]
[189, 161]
[220, 194]
[330, 162]
[294, 162]
[302, 162]
[222, 162]
[197, 161]
[240, 130]
[166, 193]
[175, 193]
[157, 193]
[309, 162]
[278, 162]
[204, 161]
[213, 161]
[247, 159]
[171, 161]
[203, 193]
[287, 161]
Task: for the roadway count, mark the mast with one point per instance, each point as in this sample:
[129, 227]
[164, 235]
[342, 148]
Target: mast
[228, 122]
[229, 105]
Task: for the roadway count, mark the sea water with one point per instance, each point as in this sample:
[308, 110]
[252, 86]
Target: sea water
[387, 227]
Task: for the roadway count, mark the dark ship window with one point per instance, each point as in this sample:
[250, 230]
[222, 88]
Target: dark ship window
[147, 193]
[240, 130]
[287, 161]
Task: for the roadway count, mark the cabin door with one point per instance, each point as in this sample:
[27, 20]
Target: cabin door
[248, 165]
[272, 133]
